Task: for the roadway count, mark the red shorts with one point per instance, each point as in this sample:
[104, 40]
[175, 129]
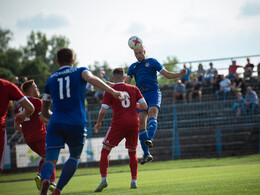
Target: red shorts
[38, 147]
[115, 135]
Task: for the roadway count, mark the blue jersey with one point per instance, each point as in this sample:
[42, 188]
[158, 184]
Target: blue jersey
[68, 91]
[145, 73]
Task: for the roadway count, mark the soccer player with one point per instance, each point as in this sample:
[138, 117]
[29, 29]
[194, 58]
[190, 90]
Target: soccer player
[33, 129]
[67, 89]
[125, 124]
[10, 91]
[145, 73]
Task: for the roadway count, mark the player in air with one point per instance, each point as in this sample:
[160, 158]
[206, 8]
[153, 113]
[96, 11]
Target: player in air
[33, 129]
[145, 73]
[66, 88]
[125, 124]
[10, 91]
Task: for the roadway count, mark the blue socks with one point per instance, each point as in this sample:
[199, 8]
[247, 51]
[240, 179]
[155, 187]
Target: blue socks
[47, 170]
[152, 128]
[143, 138]
[68, 171]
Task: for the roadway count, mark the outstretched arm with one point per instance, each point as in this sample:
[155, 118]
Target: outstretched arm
[172, 75]
[101, 115]
[97, 82]
[141, 104]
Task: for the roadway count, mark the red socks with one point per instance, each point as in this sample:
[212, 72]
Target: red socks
[133, 163]
[104, 162]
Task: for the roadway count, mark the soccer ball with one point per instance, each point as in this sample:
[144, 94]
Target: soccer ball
[135, 42]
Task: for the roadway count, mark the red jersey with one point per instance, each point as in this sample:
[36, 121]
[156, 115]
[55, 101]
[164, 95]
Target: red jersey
[233, 69]
[33, 128]
[8, 91]
[125, 112]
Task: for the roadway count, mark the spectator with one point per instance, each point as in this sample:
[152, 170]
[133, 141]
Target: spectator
[99, 93]
[251, 100]
[233, 69]
[239, 85]
[239, 105]
[209, 78]
[225, 85]
[217, 79]
[196, 90]
[258, 72]
[248, 69]
[17, 82]
[179, 92]
[186, 78]
[200, 72]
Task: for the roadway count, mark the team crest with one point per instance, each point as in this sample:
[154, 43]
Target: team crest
[147, 64]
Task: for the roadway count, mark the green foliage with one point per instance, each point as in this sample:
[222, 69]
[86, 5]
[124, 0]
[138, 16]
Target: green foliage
[5, 37]
[6, 74]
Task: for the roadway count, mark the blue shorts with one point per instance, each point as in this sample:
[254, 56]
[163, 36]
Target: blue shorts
[152, 98]
[59, 134]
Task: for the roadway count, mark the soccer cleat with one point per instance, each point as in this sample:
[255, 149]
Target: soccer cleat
[101, 186]
[38, 181]
[149, 143]
[56, 192]
[146, 158]
[45, 187]
[133, 185]
[52, 187]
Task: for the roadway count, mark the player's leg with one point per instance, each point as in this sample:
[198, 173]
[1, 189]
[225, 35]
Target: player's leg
[152, 125]
[54, 142]
[131, 143]
[143, 132]
[103, 166]
[75, 139]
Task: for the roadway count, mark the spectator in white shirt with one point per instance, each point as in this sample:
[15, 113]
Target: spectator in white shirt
[225, 86]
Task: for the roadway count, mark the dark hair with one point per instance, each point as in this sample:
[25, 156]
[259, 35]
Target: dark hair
[65, 56]
[118, 72]
[26, 85]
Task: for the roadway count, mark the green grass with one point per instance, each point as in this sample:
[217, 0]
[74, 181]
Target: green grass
[233, 175]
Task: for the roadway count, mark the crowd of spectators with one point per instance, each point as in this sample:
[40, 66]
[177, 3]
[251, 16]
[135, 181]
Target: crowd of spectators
[191, 86]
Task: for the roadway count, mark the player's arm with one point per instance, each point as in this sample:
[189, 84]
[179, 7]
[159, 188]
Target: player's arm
[97, 82]
[27, 111]
[141, 104]
[101, 115]
[46, 112]
[172, 75]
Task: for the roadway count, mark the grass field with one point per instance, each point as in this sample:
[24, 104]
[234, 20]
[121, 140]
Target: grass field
[232, 175]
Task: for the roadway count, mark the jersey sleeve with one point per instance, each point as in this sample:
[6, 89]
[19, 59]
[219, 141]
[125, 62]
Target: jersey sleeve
[37, 105]
[106, 100]
[130, 71]
[15, 93]
[158, 66]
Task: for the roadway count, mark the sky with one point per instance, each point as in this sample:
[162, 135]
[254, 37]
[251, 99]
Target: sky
[99, 30]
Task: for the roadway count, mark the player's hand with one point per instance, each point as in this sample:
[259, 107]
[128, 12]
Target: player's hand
[97, 127]
[20, 117]
[121, 95]
[183, 72]
[18, 126]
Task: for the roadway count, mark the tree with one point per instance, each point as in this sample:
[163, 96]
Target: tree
[5, 37]
[6, 74]
[55, 43]
[37, 47]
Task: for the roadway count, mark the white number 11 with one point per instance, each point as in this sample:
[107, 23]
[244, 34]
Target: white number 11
[60, 80]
